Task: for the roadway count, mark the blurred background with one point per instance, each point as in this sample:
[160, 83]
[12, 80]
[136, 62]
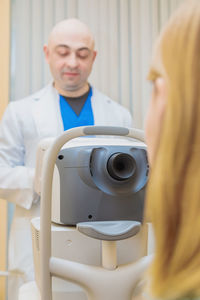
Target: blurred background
[124, 30]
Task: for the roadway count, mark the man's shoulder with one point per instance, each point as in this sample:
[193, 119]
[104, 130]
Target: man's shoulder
[99, 96]
[105, 99]
[25, 105]
[35, 96]
[108, 111]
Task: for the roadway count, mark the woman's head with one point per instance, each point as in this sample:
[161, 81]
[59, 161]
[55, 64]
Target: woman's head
[173, 198]
[176, 61]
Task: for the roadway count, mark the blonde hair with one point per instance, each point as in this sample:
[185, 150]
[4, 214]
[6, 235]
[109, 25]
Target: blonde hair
[173, 196]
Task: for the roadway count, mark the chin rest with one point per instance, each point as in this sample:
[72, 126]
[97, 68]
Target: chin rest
[109, 230]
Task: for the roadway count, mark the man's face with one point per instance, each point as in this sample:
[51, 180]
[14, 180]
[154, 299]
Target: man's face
[70, 57]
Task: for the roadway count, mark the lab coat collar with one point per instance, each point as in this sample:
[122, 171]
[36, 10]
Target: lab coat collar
[46, 112]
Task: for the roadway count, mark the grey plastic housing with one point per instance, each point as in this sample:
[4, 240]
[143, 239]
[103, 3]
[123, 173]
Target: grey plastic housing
[89, 191]
[109, 230]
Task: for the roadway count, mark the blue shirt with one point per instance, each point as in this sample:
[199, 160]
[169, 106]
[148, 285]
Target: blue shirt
[69, 117]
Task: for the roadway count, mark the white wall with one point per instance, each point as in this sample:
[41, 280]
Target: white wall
[124, 31]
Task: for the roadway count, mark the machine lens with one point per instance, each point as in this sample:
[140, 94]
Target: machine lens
[121, 166]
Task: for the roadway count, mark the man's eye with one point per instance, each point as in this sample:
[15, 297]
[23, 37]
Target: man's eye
[83, 54]
[62, 53]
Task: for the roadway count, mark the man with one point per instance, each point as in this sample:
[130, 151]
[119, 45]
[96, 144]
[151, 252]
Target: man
[69, 101]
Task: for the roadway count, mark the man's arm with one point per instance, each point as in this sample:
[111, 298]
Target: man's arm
[16, 180]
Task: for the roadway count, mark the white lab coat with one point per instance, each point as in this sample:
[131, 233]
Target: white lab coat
[24, 124]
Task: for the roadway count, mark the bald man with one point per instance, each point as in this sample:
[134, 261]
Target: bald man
[68, 101]
[70, 54]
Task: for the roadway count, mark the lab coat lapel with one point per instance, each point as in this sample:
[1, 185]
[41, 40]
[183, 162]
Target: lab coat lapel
[46, 112]
[99, 115]
[101, 109]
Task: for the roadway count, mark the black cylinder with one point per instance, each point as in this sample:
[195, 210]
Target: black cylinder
[121, 166]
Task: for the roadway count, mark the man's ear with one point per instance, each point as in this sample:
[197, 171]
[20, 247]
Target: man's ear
[94, 55]
[46, 52]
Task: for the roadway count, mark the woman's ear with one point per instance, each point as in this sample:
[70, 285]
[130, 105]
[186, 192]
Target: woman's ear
[160, 93]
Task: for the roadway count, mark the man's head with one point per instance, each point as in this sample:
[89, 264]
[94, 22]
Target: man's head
[70, 55]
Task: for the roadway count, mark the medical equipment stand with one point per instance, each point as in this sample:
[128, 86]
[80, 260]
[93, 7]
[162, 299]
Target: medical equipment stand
[110, 282]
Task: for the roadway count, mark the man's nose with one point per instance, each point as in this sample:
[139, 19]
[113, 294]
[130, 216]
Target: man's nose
[72, 61]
